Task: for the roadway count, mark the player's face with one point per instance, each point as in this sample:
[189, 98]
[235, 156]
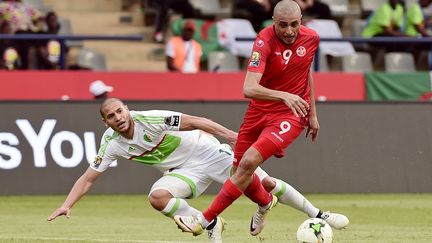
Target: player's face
[287, 27]
[116, 115]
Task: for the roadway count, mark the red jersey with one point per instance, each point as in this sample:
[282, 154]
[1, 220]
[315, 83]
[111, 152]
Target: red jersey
[284, 67]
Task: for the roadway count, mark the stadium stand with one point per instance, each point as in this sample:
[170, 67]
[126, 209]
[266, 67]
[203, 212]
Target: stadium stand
[103, 17]
[342, 8]
[66, 29]
[357, 63]
[121, 17]
[399, 62]
[212, 7]
[222, 61]
[368, 6]
[91, 59]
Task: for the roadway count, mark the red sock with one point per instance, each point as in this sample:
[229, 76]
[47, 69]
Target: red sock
[257, 193]
[226, 196]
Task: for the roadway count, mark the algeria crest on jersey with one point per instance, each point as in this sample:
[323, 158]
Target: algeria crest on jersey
[301, 51]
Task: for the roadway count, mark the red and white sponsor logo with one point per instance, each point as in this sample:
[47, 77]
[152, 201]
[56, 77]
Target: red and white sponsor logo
[260, 43]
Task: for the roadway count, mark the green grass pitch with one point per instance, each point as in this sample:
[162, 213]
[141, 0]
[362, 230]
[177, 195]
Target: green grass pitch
[378, 218]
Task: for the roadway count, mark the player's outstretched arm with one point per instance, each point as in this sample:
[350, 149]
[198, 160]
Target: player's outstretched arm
[81, 187]
[189, 122]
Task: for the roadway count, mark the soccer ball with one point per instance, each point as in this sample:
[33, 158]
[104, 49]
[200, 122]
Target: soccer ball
[314, 230]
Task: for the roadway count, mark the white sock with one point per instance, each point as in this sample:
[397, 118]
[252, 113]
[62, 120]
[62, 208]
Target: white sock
[178, 206]
[289, 196]
[203, 221]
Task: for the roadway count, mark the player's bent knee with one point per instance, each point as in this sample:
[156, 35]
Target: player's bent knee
[249, 163]
[159, 199]
[268, 183]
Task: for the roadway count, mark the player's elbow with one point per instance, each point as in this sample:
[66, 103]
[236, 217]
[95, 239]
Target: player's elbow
[248, 92]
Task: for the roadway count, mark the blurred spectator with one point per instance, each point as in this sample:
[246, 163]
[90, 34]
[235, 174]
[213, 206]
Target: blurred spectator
[387, 20]
[10, 59]
[415, 19]
[415, 26]
[21, 16]
[24, 19]
[100, 90]
[48, 51]
[182, 52]
[184, 7]
[315, 8]
[256, 11]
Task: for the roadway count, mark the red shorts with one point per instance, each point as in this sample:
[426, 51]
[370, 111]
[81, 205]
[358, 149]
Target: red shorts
[269, 133]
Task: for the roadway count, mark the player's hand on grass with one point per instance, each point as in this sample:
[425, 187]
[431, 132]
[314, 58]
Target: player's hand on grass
[313, 128]
[59, 212]
[296, 104]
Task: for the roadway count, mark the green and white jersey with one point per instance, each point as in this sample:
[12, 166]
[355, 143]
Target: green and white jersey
[157, 141]
[414, 17]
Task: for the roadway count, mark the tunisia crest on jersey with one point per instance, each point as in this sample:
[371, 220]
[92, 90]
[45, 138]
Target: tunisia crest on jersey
[301, 51]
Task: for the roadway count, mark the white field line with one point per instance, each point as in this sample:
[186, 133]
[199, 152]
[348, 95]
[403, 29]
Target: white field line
[83, 239]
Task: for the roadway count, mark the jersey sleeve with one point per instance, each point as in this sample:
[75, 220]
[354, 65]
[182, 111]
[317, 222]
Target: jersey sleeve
[159, 121]
[260, 52]
[415, 15]
[105, 156]
[384, 16]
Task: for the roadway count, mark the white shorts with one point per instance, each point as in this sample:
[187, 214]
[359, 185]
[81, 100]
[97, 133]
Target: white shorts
[211, 161]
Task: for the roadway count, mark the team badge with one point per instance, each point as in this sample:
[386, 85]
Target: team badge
[255, 59]
[97, 161]
[172, 120]
[301, 51]
[260, 43]
[147, 138]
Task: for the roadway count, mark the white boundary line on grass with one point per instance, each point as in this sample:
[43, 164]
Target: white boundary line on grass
[83, 239]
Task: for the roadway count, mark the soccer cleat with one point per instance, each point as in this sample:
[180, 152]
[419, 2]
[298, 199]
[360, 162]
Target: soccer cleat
[258, 221]
[189, 224]
[215, 234]
[335, 220]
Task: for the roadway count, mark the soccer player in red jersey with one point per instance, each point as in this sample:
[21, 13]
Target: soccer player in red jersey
[280, 86]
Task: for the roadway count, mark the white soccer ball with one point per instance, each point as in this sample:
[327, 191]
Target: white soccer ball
[314, 230]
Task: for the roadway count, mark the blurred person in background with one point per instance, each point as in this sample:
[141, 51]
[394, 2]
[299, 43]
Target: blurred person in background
[415, 19]
[183, 7]
[100, 90]
[415, 26]
[387, 20]
[9, 57]
[183, 54]
[24, 19]
[48, 51]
